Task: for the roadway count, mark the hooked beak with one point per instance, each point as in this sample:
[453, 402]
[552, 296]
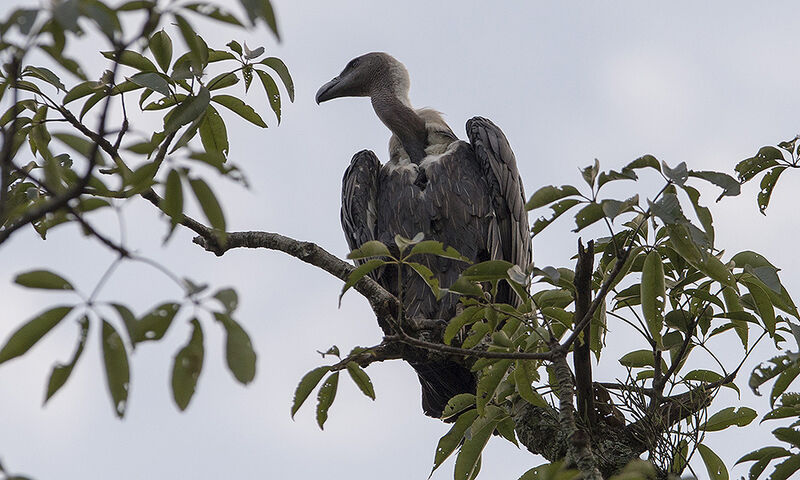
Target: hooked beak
[328, 91]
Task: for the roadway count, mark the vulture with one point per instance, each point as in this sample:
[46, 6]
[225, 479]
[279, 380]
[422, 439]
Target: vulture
[467, 195]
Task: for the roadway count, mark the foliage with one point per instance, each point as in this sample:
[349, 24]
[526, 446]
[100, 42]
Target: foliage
[666, 280]
[56, 168]
[657, 270]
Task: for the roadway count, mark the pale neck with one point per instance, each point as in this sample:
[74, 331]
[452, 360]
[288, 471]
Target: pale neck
[396, 113]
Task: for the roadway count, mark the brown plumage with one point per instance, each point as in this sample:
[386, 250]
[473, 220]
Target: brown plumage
[466, 195]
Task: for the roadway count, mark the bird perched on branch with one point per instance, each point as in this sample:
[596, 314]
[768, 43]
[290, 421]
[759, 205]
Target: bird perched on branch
[465, 195]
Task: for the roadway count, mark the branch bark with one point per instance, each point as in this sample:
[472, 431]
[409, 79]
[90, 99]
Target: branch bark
[581, 356]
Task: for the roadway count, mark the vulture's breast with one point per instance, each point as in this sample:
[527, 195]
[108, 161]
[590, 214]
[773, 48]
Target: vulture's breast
[446, 197]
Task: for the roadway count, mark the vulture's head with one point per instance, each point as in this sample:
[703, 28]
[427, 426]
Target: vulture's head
[369, 75]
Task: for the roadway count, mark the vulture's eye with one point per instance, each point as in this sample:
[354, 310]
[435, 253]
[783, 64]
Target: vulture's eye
[353, 63]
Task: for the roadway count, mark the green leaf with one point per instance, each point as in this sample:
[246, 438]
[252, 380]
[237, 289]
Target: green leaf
[767, 184]
[701, 375]
[223, 80]
[213, 133]
[477, 332]
[208, 202]
[213, 11]
[729, 417]
[187, 111]
[155, 323]
[668, 209]
[115, 359]
[765, 158]
[187, 367]
[653, 294]
[361, 379]
[45, 74]
[783, 382]
[458, 404]
[154, 81]
[235, 46]
[714, 465]
[61, 371]
[638, 359]
[714, 268]
[590, 173]
[678, 175]
[764, 306]
[588, 215]
[325, 397]
[549, 194]
[161, 47]
[239, 353]
[553, 471]
[469, 315]
[433, 247]
[105, 18]
[489, 270]
[198, 50]
[358, 273]
[372, 248]
[261, 9]
[43, 279]
[703, 213]
[427, 275]
[748, 257]
[559, 208]
[283, 72]
[524, 378]
[228, 298]
[487, 383]
[771, 369]
[240, 108]
[452, 439]
[271, 89]
[613, 208]
[506, 430]
[463, 286]
[788, 435]
[27, 335]
[612, 176]
[132, 59]
[78, 144]
[247, 74]
[730, 186]
[764, 453]
[134, 5]
[306, 386]
[173, 198]
[787, 468]
[468, 459]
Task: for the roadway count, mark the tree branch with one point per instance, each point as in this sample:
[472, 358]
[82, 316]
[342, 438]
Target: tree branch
[581, 355]
[578, 440]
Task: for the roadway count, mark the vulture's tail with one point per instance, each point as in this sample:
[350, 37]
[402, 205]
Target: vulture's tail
[441, 382]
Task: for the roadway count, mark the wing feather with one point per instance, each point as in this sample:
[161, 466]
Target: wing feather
[359, 197]
[510, 238]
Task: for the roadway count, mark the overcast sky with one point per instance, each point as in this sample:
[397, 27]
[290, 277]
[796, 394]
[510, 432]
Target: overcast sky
[707, 83]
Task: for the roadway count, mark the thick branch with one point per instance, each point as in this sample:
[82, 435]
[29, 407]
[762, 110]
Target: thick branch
[578, 444]
[582, 352]
[379, 353]
[383, 303]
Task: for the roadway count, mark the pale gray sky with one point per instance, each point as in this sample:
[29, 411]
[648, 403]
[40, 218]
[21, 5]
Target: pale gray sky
[567, 81]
